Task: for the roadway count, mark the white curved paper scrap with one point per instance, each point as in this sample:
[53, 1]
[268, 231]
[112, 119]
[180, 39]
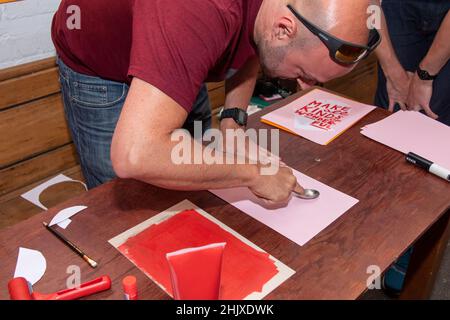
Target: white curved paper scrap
[31, 265]
[62, 218]
[34, 194]
[64, 224]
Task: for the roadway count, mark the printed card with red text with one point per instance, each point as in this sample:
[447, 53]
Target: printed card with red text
[318, 116]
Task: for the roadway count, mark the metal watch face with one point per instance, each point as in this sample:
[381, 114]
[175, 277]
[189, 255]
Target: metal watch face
[242, 118]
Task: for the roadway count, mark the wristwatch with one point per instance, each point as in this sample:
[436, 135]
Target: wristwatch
[424, 75]
[238, 115]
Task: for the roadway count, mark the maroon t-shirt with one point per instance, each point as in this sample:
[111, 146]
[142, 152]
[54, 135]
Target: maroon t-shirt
[175, 45]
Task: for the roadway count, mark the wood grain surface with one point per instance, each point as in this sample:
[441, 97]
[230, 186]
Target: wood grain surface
[398, 204]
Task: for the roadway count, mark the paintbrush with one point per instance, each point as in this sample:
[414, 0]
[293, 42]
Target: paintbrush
[71, 245]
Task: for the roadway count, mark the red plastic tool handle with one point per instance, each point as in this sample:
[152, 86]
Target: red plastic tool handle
[86, 289]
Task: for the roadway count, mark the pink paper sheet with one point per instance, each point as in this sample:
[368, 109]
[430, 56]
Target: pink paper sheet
[301, 220]
[410, 131]
[318, 116]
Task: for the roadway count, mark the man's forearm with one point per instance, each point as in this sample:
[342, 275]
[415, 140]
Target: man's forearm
[144, 149]
[439, 53]
[160, 165]
[385, 52]
[239, 90]
[240, 87]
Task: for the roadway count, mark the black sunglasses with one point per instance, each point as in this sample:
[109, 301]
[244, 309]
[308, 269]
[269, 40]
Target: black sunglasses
[341, 51]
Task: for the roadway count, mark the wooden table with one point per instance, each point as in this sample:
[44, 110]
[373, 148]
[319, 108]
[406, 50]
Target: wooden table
[398, 204]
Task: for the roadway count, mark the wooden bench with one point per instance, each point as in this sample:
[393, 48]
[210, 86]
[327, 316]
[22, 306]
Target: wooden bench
[35, 143]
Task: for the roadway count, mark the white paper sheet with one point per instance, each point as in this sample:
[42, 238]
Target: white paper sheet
[252, 109]
[31, 265]
[34, 194]
[62, 218]
[64, 224]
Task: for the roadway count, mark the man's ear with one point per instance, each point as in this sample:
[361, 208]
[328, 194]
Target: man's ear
[285, 28]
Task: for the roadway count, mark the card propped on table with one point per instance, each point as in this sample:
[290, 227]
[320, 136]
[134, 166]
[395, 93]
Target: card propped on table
[318, 116]
[248, 272]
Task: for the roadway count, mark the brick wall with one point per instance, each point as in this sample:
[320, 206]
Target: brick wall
[25, 31]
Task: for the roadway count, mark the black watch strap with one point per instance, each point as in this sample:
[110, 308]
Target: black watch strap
[238, 115]
[424, 75]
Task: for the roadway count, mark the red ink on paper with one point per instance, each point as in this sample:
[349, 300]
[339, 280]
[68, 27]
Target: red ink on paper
[245, 270]
[325, 115]
[196, 272]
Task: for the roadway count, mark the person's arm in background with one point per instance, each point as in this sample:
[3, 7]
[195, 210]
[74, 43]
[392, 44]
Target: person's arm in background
[421, 91]
[397, 78]
[142, 149]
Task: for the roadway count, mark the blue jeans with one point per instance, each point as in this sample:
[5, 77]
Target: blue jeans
[93, 106]
[412, 26]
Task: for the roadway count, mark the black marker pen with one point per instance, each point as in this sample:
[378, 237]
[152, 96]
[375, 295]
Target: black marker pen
[428, 165]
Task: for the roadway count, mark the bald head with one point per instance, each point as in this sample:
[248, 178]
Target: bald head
[344, 19]
[278, 32]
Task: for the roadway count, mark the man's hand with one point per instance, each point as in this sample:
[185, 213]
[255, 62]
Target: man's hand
[419, 97]
[397, 84]
[421, 91]
[274, 190]
[278, 188]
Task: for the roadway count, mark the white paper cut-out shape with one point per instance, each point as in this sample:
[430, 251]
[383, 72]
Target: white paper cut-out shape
[31, 265]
